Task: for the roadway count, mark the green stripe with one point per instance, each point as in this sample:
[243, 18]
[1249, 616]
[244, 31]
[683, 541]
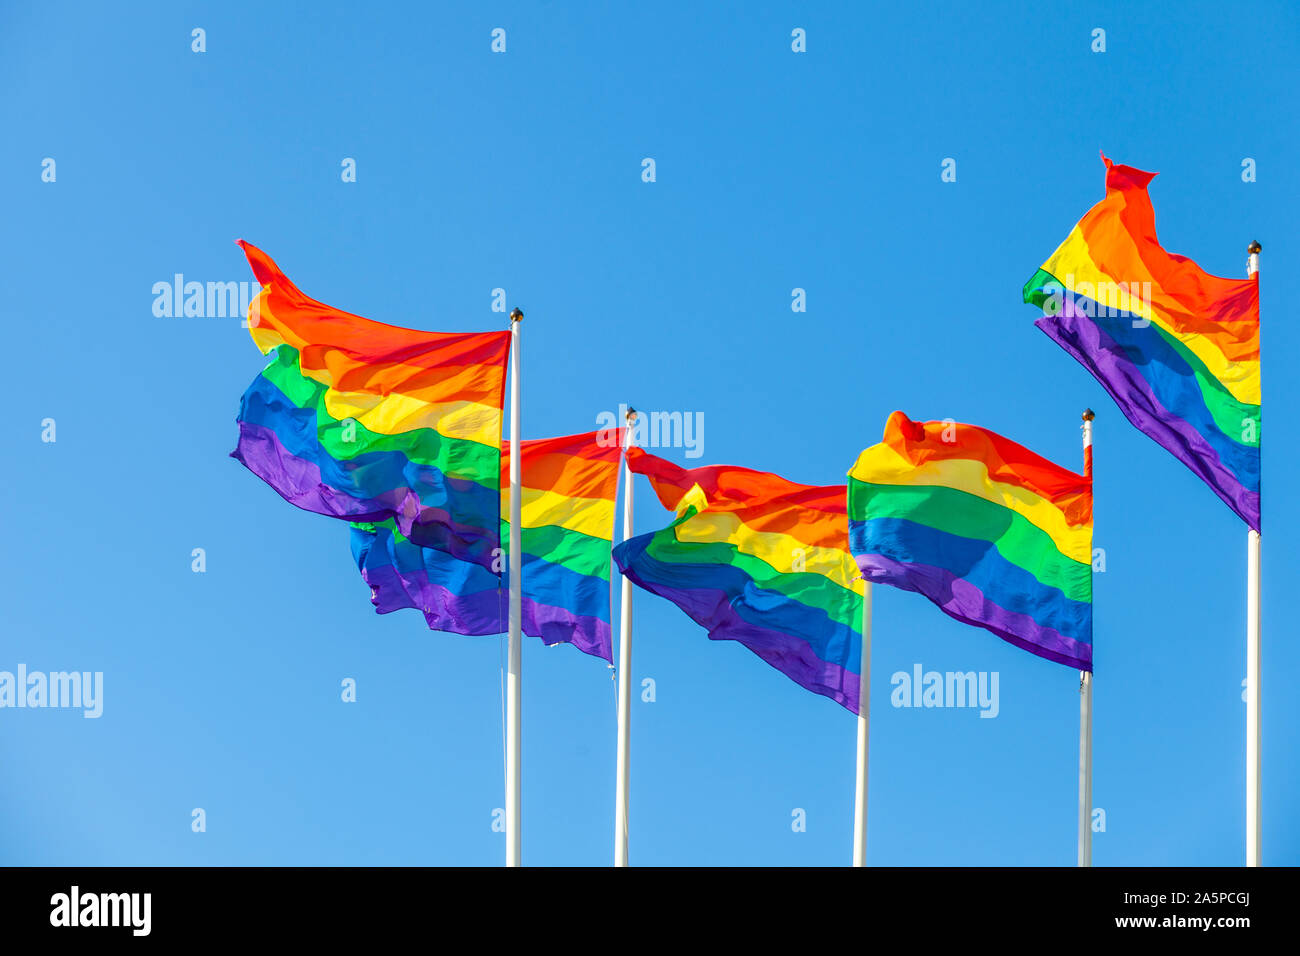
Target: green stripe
[1228, 413]
[574, 550]
[949, 510]
[455, 457]
[1033, 293]
[807, 587]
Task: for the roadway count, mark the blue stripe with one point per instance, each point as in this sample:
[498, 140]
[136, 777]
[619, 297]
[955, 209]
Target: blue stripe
[1007, 585]
[543, 582]
[1176, 387]
[371, 474]
[380, 548]
[829, 639]
[559, 586]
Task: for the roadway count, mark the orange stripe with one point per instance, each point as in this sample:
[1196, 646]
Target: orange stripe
[1225, 311]
[581, 466]
[479, 384]
[604, 445]
[568, 475]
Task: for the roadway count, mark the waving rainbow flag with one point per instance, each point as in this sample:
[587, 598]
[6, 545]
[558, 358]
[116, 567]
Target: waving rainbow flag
[367, 422]
[995, 535]
[760, 560]
[569, 487]
[1177, 348]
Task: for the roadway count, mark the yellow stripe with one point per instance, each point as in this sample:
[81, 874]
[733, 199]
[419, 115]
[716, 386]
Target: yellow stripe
[396, 413]
[784, 553]
[1074, 260]
[881, 465]
[540, 509]
[265, 337]
[694, 498]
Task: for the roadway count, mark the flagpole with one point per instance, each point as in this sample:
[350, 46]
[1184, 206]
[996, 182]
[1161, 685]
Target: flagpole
[864, 729]
[624, 668]
[1254, 842]
[513, 789]
[1085, 703]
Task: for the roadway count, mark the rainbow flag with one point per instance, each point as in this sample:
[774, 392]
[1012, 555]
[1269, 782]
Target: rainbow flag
[458, 596]
[761, 560]
[995, 535]
[1176, 348]
[569, 487]
[368, 422]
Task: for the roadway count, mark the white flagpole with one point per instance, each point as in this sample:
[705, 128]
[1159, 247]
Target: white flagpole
[864, 734]
[624, 668]
[1085, 704]
[1254, 840]
[513, 790]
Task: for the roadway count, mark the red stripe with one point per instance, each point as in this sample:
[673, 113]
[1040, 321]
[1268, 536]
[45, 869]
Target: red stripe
[352, 342]
[729, 487]
[583, 466]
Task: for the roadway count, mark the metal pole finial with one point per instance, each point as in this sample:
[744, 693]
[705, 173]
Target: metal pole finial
[1089, 414]
[1255, 248]
[516, 315]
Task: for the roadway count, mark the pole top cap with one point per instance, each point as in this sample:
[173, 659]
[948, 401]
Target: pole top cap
[516, 315]
[1089, 414]
[631, 414]
[1255, 248]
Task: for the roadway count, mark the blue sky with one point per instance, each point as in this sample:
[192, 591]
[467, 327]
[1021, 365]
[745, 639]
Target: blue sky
[775, 170]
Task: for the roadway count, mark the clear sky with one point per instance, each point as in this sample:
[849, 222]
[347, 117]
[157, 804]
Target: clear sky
[522, 170]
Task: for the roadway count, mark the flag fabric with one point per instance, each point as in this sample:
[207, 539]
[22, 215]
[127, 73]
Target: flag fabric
[569, 487]
[994, 534]
[455, 595]
[369, 422]
[1176, 347]
[567, 512]
[761, 560]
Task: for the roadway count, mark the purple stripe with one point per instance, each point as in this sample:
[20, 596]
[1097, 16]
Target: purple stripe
[1094, 349]
[960, 599]
[484, 612]
[555, 625]
[476, 613]
[792, 656]
[300, 483]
